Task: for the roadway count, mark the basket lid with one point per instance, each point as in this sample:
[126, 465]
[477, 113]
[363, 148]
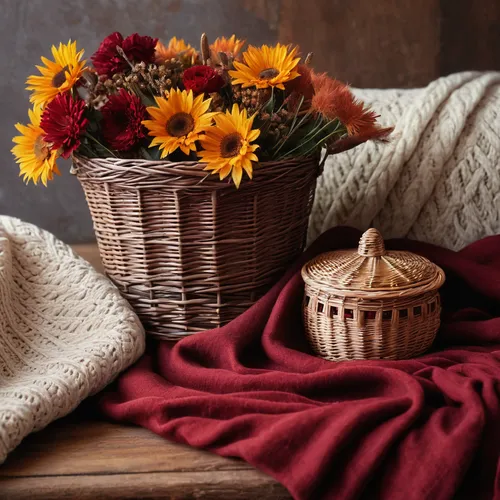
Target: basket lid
[372, 268]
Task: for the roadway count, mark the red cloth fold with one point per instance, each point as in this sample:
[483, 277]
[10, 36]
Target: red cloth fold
[422, 428]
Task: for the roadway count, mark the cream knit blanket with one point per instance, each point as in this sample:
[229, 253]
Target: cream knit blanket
[437, 181]
[65, 331]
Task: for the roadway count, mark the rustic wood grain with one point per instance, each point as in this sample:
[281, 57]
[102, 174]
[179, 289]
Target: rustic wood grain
[387, 43]
[89, 447]
[227, 485]
[470, 35]
[267, 10]
[80, 458]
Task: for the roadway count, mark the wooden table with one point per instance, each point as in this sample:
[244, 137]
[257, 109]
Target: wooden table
[79, 457]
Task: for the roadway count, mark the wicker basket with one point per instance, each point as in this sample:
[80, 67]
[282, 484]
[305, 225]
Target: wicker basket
[188, 251]
[371, 303]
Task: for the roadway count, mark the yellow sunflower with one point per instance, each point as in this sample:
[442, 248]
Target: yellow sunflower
[174, 48]
[227, 147]
[36, 160]
[57, 76]
[230, 46]
[266, 67]
[179, 121]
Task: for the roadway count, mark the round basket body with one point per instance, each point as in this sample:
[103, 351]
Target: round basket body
[371, 304]
[191, 252]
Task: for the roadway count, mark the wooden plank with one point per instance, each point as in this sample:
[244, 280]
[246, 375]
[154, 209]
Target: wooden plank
[227, 485]
[71, 446]
[77, 458]
[387, 43]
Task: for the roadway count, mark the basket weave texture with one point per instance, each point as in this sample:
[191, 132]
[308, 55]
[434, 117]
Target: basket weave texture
[191, 252]
[371, 303]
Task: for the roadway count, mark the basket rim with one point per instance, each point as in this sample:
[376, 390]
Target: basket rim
[140, 163]
[377, 293]
[139, 172]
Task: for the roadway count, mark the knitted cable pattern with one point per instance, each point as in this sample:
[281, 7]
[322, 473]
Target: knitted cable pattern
[437, 181]
[65, 331]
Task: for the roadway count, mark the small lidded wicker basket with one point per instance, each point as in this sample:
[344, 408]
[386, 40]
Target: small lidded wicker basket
[371, 303]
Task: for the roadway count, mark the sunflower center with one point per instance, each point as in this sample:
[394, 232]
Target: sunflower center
[269, 73]
[41, 149]
[180, 124]
[60, 77]
[230, 145]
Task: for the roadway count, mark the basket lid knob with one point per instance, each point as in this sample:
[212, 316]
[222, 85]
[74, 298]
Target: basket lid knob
[371, 244]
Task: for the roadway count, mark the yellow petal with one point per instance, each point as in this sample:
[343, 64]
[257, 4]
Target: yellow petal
[236, 174]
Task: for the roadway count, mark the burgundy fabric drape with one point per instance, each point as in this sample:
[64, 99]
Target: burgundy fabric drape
[426, 428]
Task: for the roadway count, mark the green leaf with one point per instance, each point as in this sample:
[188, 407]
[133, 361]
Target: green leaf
[154, 152]
[94, 117]
[147, 100]
[100, 150]
[144, 152]
[314, 137]
[268, 107]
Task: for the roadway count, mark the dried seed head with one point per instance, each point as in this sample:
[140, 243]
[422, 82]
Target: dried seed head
[122, 53]
[84, 93]
[90, 78]
[223, 59]
[205, 48]
[264, 95]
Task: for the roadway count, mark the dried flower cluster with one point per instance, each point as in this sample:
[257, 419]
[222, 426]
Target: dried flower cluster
[223, 107]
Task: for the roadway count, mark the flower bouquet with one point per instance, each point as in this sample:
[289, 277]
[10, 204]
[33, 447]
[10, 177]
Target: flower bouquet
[199, 167]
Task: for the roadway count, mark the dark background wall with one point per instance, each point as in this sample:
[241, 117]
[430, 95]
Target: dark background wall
[368, 43]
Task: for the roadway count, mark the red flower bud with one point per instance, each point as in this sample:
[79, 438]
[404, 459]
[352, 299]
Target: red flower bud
[202, 79]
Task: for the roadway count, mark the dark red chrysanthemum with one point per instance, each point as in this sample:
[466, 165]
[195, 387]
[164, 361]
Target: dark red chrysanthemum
[63, 121]
[121, 121]
[140, 48]
[202, 79]
[107, 61]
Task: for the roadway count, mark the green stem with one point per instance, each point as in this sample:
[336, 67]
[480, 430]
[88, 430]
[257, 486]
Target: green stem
[92, 138]
[292, 130]
[297, 127]
[309, 137]
[316, 129]
[324, 139]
